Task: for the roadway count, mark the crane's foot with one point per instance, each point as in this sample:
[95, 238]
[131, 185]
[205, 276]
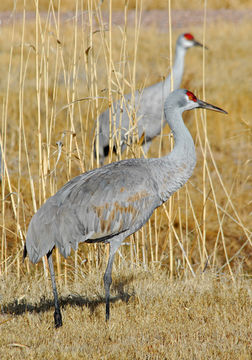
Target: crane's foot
[57, 319]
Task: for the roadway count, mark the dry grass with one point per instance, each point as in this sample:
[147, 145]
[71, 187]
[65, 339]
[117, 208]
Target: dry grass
[151, 318]
[48, 65]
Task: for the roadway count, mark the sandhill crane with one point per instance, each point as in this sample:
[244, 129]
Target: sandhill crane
[149, 112]
[114, 201]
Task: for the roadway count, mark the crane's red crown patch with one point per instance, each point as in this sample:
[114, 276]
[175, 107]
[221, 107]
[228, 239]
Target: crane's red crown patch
[188, 36]
[191, 96]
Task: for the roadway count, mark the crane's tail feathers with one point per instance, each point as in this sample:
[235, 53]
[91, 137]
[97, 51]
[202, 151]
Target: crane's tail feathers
[24, 252]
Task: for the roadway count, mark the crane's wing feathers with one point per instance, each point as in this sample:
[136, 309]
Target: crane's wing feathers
[92, 207]
[41, 234]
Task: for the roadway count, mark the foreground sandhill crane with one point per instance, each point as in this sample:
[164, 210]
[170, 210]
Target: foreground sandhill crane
[112, 202]
[148, 104]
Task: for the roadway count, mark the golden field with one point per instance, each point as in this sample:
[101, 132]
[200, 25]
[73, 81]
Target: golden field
[57, 76]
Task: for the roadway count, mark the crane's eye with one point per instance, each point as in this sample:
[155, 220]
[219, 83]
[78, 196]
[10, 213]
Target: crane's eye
[191, 96]
[188, 36]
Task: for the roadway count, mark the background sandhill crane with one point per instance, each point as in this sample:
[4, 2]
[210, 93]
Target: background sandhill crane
[112, 202]
[148, 105]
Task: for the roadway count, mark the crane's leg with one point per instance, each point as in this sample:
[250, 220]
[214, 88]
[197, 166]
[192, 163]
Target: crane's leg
[57, 313]
[113, 247]
[146, 147]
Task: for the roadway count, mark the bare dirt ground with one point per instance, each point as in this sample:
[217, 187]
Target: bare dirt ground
[149, 18]
[182, 18]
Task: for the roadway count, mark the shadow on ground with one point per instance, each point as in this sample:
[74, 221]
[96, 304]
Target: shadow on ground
[20, 307]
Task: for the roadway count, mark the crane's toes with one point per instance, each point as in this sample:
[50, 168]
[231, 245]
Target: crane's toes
[57, 319]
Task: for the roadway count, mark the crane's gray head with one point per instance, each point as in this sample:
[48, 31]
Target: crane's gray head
[183, 100]
[187, 41]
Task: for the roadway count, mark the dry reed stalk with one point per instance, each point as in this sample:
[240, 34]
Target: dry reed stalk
[102, 31]
[131, 252]
[122, 74]
[51, 126]
[72, 118]
[170, 201]
[42, 193]
[144, 245]
[110, 99]
[186, 237]
[152, 254]
[180, 221]
[89, 52]
[3, 203]
[93, 85]
[135, 135]
[156, 238]
[20, 126]
[133, 117]
[197, 225]
[3, 237]
[137, 246]
[204, 206]
[3, 267]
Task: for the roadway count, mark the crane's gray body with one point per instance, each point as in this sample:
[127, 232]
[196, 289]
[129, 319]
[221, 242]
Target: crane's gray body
[112, 202]
[116, 199]
[148, 107]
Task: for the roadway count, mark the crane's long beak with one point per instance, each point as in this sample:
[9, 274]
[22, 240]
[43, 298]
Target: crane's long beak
[204, 105]
[196, 43]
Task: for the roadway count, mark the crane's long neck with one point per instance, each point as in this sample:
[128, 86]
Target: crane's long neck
[173, 170]
[177, 70]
